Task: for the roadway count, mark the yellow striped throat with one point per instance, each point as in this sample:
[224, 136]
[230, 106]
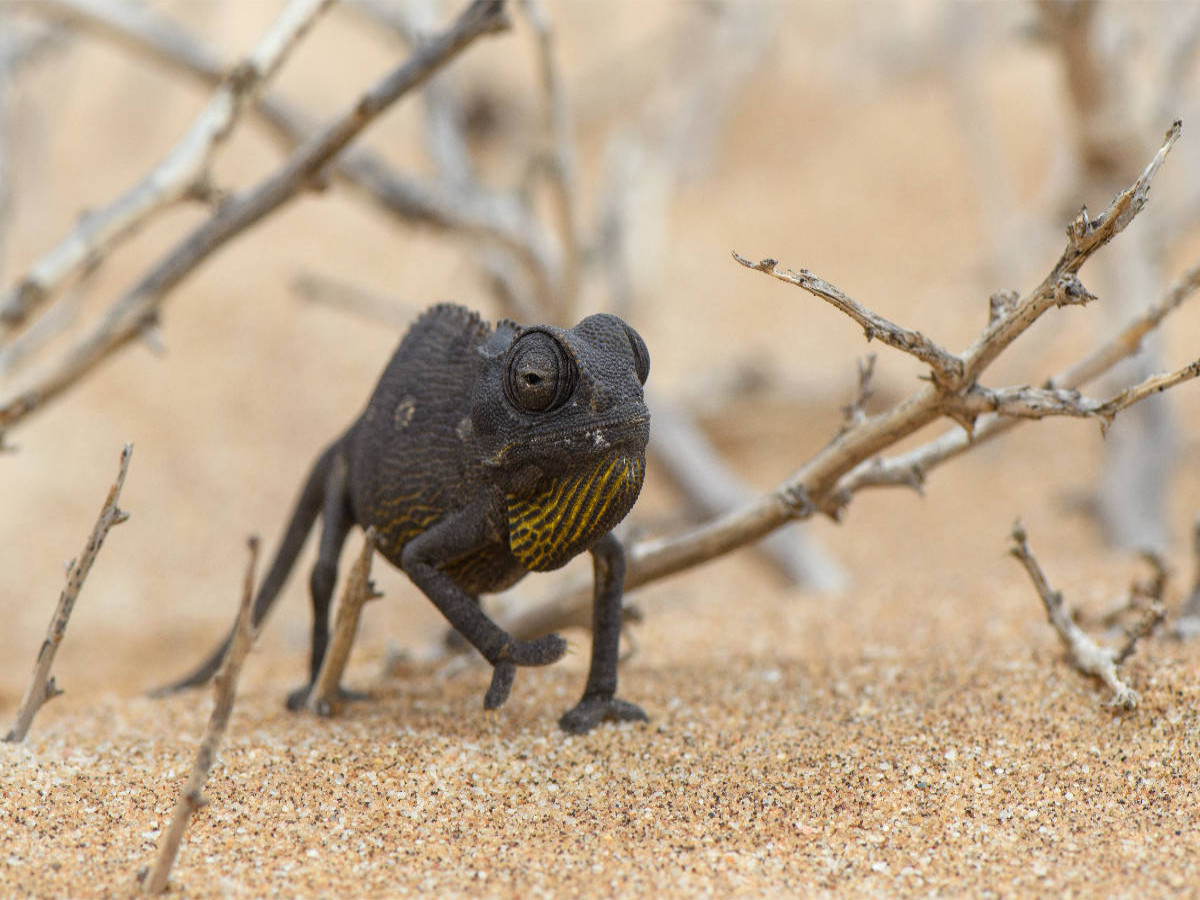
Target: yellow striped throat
[566, 516]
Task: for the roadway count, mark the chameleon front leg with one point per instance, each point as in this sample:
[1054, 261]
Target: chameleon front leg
[423, 560]
[600, 703]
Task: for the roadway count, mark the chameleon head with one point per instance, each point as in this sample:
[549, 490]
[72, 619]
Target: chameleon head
[561, 412]
[553, 397]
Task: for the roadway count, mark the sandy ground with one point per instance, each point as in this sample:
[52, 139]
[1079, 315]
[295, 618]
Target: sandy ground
[915, 734]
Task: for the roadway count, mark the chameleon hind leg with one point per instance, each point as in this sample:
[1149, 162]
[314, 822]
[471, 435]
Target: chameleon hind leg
[337, 519]
[599, 702]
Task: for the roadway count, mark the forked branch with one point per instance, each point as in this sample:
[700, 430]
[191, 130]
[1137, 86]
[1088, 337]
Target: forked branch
[851, 461]
[1086, 655]
[183, 173]
[138, 307]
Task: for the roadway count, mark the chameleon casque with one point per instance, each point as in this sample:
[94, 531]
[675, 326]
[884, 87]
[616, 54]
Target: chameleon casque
[484, 454]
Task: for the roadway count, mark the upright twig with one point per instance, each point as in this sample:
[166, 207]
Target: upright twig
[1086, 656]
[1187, 623]
[562, 166]
[323, 698]
[183, 172]
[191, 797]
[41, 686]
[138, 307]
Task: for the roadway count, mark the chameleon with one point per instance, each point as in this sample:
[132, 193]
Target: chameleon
[483, 454]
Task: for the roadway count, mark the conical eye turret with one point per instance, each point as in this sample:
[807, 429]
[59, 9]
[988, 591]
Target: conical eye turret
[541, 375]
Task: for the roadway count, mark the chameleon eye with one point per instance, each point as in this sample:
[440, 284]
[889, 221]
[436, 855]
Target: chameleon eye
[540, 374]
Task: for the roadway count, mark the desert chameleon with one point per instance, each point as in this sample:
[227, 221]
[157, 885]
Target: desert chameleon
[485, 453]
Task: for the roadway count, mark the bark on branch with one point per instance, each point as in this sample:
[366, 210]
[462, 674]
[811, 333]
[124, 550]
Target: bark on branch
[138, 308]
[1086, 655]
[191, 797]
[183, 173]
[41, 685]
[851, 460]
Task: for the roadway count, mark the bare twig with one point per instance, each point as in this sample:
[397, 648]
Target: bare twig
[1038, 403]
[855, 413]
[1088, 657]
[563, 166]
[41, 685]
[183, 173]
[191, 797]
[909, 468]
[139, 306]
[17, 48]
[1187, 623]
[946, 366]
[323, 698]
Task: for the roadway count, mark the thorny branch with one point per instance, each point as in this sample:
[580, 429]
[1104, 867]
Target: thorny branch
[41, 685]
[323, 698]
[850, 462]
[183, 173]
[1088, 657]
[191, 797]
[138, 308]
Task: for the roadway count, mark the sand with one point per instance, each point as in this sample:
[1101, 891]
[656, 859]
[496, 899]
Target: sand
[918, 733]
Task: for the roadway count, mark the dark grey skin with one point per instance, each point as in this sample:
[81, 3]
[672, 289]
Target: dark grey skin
[484, 454]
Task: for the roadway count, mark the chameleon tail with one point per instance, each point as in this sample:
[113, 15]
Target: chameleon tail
[308, 506]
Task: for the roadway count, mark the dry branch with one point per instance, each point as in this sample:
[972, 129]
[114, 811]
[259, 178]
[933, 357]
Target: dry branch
[138, 308]
[191, 797]
[562, 167]
[41, 685]
[183, 173]
[850, 462]
[1087, 656]
[323, 698]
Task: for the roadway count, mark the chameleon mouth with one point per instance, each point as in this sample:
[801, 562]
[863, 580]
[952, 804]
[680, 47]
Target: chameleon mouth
[618, 435]
[604, 437]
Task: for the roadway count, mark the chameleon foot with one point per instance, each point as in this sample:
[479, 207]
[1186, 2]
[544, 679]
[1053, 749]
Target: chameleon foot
[298, 699]
[591, 711]
[539, 652]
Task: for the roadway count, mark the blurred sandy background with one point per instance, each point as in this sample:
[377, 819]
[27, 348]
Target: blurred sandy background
[844, 152]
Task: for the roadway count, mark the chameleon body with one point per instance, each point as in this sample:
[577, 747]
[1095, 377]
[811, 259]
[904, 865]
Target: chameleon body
[483, 454]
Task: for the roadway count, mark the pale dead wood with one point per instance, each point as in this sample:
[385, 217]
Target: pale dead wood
[563, 167]
[41, 685]
[1086, 655]
[945, 365]
[191, 796]
[516, 248]
[497, 220]
[183, 173]
[1106, 116]
[1186, 625]
[323, 698]
[17, 48]
[138, 307]
[909, 468]
[849, 462]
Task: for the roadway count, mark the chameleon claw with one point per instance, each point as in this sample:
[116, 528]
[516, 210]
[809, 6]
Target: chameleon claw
[591, 711]
[503, 674]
